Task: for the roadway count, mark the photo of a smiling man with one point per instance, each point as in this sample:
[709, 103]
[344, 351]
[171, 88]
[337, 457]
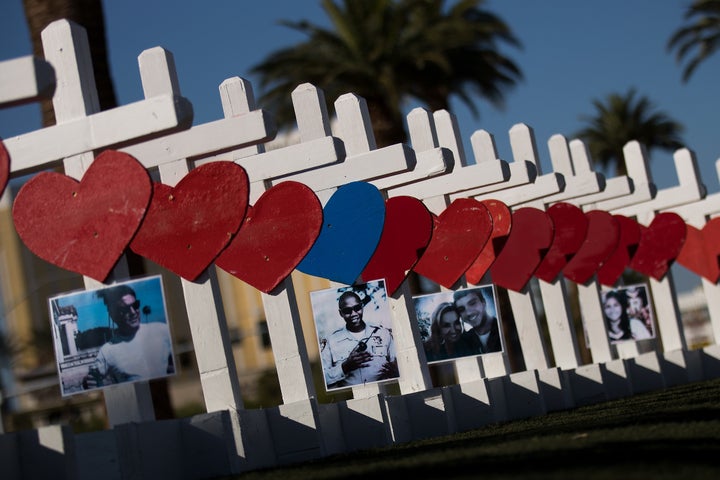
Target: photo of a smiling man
[482, 330]
[354, 326]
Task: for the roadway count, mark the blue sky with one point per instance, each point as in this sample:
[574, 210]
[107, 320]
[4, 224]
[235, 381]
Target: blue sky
[93, 313]
[573, 52]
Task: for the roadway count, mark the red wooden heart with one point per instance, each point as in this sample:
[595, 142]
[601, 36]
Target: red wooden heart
[84, 226]
[4, 167]
[459, 234]
[277, 233]
[614, 266]
[701, 251]
[529, 240]
[600, 242]
[660, 244]
[571, 226]
[502, 223]
[187, 226]
[406, 233]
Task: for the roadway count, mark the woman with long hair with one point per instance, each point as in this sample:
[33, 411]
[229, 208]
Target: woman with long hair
[445, 331]
[619, 325]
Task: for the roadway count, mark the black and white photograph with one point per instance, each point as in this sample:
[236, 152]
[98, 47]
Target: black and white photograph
[461, 323]
[111, 335]
[355, 338]
[628, 313]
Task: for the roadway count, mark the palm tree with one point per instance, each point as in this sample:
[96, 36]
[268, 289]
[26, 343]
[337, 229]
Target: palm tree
[623, 118]
[700, 38]
[390, 52]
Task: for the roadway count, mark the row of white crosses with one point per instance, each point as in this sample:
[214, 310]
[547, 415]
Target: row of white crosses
[642, 198]
[127, 403]
[473, 373]
[689, 190]
[80, 129]
[495, 365]
[66, 47]
[392, 164]
[572, 161]
[395, 170]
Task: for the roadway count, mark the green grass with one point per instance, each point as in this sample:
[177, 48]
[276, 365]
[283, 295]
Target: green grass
[673, 433]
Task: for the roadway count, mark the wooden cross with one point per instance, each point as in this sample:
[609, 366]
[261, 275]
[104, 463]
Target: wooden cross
[25, 80]
[524, 311]
[80, 129]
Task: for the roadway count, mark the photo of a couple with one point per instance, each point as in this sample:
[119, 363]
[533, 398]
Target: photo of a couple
[459, 324]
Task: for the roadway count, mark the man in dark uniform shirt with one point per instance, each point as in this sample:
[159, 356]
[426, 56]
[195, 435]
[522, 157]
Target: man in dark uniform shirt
[484, 336]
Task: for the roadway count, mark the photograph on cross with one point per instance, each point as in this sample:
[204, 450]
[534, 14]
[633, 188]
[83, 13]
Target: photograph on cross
[354, 329]
[111, 335]
[628, 313]
[461, 323]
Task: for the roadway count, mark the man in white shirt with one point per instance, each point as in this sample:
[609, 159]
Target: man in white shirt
[136, 351]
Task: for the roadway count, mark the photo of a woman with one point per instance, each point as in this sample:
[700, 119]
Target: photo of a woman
[445, 339]
[620, 325]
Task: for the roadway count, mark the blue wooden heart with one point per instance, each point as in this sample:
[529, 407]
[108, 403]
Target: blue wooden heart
[352, 224]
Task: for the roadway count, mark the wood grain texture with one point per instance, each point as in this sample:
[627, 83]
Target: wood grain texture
[188, 225]
[84, 226]
[276, 234]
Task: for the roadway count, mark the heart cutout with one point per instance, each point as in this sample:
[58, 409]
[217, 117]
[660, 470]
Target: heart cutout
[614, 266]
[701, 250]
[4, 167]
[660, 243]
[502, 223]
[188, 225]
[406, 233]
[459, 234]
[84, 226]
[600, 242]
[529, 240]
[571, 227]
[275, 236]
[352, 225]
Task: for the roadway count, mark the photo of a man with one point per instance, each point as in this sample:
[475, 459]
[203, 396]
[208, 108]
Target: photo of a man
[483, 333]
[112, 335]
[355, 335]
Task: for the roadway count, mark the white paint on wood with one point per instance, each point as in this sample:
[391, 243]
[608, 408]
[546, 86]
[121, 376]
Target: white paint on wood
[528, 328]
[66, 48]
[213, 138]
[428, 164]
[24, 80]
[560, 327]
[614, 187]
[313, 122]
[206, 317]
[689, 189]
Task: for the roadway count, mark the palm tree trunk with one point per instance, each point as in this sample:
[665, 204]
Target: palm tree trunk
[88, 14]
